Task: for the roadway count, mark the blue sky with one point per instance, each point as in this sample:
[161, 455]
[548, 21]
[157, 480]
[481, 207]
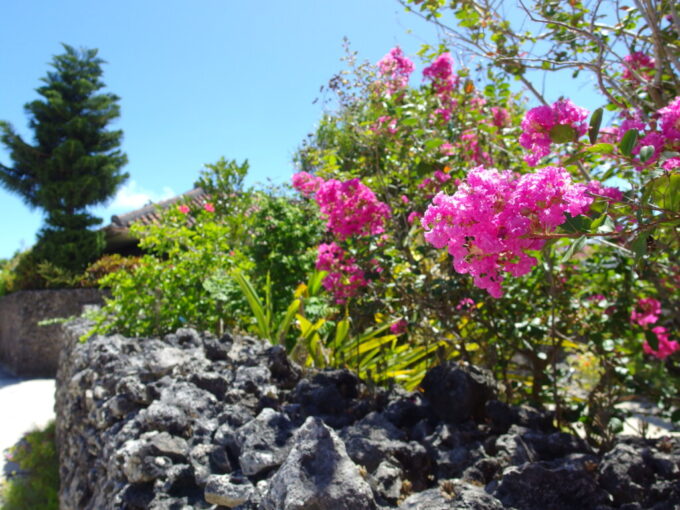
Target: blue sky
[197, 80]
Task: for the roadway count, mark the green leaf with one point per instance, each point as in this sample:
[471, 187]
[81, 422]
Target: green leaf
[434, 143]
[600, 148]
[411, 121]
[577, 224]
[574, 247]
[562, 133]
[595, 123]
[599, 220]
[287, 321]
[639, 245]
[666, 192]
[646, 152]
[256, 307]
[607, 226]
[628, 142]
[652, 340]
[315, 281]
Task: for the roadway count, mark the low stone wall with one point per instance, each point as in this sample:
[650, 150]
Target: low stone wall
[191, 421]
[30, 350]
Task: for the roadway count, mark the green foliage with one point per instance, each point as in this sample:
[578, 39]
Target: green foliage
[74, 162]
[164, 289]
[184, 278]
[37, 484]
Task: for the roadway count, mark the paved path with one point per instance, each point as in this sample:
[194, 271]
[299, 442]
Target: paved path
[24, 405]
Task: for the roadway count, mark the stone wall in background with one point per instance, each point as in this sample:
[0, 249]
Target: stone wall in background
[190, 422]
[30, 350]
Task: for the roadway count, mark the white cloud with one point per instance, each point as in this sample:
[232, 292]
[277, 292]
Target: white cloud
[131, 196]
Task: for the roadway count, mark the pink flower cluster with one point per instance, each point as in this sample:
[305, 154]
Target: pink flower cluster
[638, 65]
[494, 217]
[666, 347]
[344, 277]
[646, 311]
[385, 125]
[669, 120]
[306, 183]
[540, 121]
[664, 139]
[351, 208]
[399, 327]
[440, 72]
[395, 68]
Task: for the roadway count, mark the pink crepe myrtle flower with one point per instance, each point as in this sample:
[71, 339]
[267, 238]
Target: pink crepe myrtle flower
[344, 278]
[465, 303]
[440, 73]
[441, 176]
[184, 209]
[540, 121]
[413, 217]
[445, 113]
[404, 199]
[208, 207]
[395, 69]
[399, 327]
[351, 208]
[609, 135]
[671, 164]
[666, 347]
[385, 124]
[646, 311]
[306, 183]
[471, 150]
[611, 194]
[633, 122]
[494, 218]
[669, 120]
[638, 65]
[446, 148]
[500, 117]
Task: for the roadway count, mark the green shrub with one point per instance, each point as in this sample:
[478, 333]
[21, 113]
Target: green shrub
[36, 486]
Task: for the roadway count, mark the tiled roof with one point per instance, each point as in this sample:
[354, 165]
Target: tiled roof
[117, 233]
[149, 213]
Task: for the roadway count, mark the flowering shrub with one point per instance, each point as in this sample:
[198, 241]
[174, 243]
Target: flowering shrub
[524, 203]
[494, 218]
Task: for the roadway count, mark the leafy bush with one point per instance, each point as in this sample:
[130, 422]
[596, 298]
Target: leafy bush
[37, 483]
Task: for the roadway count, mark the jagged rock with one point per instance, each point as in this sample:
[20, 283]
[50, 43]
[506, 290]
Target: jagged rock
[459, 392]
[162, 361]
[283, 370]
[541, 485]
[176, 448]
[332, 395]
[318, 475]
[452, 495]
[228, 491]
[624, 473]
[263, 442]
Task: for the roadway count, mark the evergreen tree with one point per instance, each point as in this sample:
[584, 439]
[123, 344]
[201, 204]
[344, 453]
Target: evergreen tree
[74, 161]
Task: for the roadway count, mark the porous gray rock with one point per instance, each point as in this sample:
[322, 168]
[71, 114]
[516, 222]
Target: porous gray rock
[318, 475]
[229, 491]
[195, 422]
[459, 392]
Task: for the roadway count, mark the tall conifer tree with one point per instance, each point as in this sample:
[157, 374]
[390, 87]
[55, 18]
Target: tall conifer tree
[74, 161]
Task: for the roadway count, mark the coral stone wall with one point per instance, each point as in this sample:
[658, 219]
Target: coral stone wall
[30, 350]
[191, 421]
